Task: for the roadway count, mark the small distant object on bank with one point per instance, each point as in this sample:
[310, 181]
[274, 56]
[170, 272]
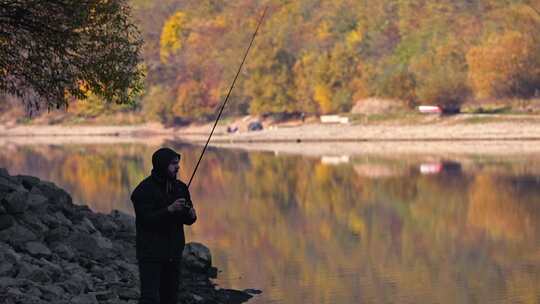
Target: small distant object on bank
[447, 109]
[334, 119]
[254, 126]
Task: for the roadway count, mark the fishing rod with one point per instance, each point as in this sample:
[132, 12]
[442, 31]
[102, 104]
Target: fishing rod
[228, 94]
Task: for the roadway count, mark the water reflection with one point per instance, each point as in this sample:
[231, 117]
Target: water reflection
[415, 229]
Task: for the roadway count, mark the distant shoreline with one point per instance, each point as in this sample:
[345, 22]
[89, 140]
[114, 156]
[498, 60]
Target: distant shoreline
[441, 136]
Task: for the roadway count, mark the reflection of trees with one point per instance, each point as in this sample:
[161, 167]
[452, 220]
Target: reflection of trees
[304, 225]
[100, 176]
[502, 209]
[403, 238]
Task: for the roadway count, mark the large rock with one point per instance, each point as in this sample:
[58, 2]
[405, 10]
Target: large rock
[37, 202]
[16, 202]
[7, 184]
[95, 246]
[17, 235]
[56, 195]
[84, 299]
[37, 249]
[197, 256]
[28, 181]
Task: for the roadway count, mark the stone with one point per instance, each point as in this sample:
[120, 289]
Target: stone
[32, 273]
[6, 221]
[105, 225]
[64, 251]
[51, 292]
[28, 181]
[9, 254]
[7, 282]
[8, 185]
[16, 202]
[124, 221]
[62, 219]
[37, 249]
[59, 234]
[54, 194]
[6, 269]
[84, 299]
[17, 235]
[37, 202]
[86, 226]
[95, 246]
[34, 222]
[4, 172]
[197, 256]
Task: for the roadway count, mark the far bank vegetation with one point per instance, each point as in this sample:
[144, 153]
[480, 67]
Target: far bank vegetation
[321, 57]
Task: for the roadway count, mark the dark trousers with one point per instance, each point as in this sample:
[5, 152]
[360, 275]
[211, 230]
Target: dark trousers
[159, 282]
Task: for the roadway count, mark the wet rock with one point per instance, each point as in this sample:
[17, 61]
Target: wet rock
[16, 202]
[37, 249]
[196, 256]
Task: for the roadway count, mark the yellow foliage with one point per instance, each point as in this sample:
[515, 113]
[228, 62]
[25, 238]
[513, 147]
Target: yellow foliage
[354, 37]
[323, 96]
[323, 31]
[497, 67]
[173, 34]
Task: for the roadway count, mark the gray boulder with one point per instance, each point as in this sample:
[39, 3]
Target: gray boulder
[37, 249]
[16, 202]
[95, 246]
[17, 235]
[84, 299]
[197, 256]
[28, 181]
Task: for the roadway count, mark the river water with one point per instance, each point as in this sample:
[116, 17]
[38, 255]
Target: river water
[418, 228]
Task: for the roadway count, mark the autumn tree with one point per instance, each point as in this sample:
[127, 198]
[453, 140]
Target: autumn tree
[51, 51]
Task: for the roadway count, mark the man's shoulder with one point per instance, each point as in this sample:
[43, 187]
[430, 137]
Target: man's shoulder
[144, 185]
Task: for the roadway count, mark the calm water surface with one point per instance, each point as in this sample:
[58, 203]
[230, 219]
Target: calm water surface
[363, 229]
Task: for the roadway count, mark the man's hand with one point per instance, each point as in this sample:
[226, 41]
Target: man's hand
[177, 205]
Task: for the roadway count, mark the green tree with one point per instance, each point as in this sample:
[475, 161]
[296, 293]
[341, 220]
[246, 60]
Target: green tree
[51, 51]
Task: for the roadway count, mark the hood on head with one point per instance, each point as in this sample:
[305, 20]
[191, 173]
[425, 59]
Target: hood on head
[161, 160]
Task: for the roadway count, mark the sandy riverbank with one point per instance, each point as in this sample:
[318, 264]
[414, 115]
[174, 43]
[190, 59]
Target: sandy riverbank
[439, 135]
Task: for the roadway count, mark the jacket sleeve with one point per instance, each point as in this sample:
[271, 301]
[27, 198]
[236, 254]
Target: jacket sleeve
[144, 211]
[183, 217]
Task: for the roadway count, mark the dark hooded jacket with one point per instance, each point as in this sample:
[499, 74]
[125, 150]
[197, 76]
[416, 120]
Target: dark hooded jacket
[160, 233]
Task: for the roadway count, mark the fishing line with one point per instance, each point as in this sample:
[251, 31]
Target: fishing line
[228, 94]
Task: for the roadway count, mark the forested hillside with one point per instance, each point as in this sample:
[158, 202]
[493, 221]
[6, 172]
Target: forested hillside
[322, 56]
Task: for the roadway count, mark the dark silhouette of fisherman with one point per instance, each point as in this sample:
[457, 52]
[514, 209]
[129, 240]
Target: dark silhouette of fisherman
[162, 207]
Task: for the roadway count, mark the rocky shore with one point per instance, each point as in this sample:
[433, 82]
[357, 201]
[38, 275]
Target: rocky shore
[52, 251]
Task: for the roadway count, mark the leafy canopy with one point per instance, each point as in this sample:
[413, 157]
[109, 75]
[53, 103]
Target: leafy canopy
[52, 51]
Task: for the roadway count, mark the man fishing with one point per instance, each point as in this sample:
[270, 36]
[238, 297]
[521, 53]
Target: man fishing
[162, 207]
